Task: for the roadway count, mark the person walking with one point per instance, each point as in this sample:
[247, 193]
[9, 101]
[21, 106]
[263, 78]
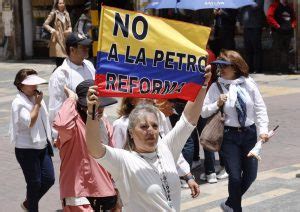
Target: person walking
[84, 184]
[84, 23]
[145, 174]
[253, 20]
[58, 23]
[282, 19]
[245, 116]
[31, 133]
[73, 71]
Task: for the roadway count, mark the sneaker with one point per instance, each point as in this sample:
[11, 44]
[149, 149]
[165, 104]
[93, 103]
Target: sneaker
[225, 207]
[24, 205]
[222, 174]
[184, 184]
[195, 164]
[211, 178]
[203, 176]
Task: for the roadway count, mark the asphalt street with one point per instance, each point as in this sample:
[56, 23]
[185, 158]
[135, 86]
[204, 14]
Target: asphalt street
[276, 188]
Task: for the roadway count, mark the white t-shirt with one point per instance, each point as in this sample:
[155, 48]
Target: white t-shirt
[139, 184]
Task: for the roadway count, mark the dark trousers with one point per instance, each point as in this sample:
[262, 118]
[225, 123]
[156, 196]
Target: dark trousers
[253, 48]
[188, 151]
[224, 37]
[281, 44]
[242, 170]
[38, 171]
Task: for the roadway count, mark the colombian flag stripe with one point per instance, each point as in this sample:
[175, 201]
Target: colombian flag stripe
[145, 56]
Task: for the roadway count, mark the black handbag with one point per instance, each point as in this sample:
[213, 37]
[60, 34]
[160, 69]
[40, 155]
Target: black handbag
[49, 145]
[46, 35]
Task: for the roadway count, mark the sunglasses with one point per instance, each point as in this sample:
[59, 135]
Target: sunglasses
[222, 66]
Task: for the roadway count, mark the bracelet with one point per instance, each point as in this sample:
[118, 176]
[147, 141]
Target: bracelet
[189, 177]
[204, 86]
[91, 115]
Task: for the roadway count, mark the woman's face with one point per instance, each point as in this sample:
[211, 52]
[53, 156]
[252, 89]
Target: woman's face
[227, 72]
[29, 90]
[145, 133]
[61, 5]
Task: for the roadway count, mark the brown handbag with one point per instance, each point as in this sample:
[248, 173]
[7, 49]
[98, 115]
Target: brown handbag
[211, 137]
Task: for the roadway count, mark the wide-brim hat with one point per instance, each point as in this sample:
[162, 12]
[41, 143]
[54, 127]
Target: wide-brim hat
[34, 79]
[82, 89]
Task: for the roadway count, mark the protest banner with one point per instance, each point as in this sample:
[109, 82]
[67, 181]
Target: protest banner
[149, 57]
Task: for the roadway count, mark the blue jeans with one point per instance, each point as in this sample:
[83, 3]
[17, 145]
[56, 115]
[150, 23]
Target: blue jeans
[38, 171]
[188, 151]
[242, 170]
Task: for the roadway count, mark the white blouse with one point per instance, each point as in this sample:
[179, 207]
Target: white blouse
[139, 184]
[256, 108]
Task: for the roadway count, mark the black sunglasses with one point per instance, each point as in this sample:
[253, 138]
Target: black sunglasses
[222, 66]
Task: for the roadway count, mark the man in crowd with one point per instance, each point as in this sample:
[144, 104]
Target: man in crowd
[253, 19]
[282, 19]
[73, 71]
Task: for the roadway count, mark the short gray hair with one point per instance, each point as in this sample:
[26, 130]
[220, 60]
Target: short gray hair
[133, 117]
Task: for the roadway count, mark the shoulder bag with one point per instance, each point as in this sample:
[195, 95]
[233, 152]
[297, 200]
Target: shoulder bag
[211, 137]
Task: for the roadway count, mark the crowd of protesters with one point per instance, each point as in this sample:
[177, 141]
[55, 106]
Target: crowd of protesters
[137, 162]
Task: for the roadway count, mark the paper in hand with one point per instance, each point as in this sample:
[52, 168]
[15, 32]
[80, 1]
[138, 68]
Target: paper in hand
[255, 152]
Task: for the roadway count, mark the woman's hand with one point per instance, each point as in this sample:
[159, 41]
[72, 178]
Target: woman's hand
[195, 189]
[70, 94]
[92, 98]
[38, 97]
[222, 99]
[264, 137]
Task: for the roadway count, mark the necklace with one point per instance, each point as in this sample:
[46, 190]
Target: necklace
[162, 176]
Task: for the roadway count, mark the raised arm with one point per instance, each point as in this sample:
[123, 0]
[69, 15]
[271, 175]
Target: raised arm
[95, 148]
[192, 110]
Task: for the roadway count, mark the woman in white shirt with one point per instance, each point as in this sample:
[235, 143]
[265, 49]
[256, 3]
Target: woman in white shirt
[245, 112]
[30, 132]
[120, 127]
[146, 175]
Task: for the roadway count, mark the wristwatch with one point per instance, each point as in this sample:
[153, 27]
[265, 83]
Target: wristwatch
[189, 177]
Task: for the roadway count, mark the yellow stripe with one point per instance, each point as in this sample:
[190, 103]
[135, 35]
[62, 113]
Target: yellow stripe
[163, 34]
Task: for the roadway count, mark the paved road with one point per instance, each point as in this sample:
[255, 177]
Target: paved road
[276, 189]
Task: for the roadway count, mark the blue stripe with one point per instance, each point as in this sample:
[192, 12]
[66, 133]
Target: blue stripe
[160, 72]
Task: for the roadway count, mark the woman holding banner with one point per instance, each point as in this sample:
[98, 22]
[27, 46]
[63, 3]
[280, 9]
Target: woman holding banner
[145, 175]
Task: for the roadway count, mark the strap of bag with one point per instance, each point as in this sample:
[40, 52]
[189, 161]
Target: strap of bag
[49, 145]
[221, 92]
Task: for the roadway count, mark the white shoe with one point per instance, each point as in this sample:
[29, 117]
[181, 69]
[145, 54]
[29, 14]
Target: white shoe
[184, 184]
[222, 174]
[211, 178]
[196, 164]
[225, 207]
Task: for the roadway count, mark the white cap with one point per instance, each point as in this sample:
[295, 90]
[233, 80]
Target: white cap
[33, 79]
